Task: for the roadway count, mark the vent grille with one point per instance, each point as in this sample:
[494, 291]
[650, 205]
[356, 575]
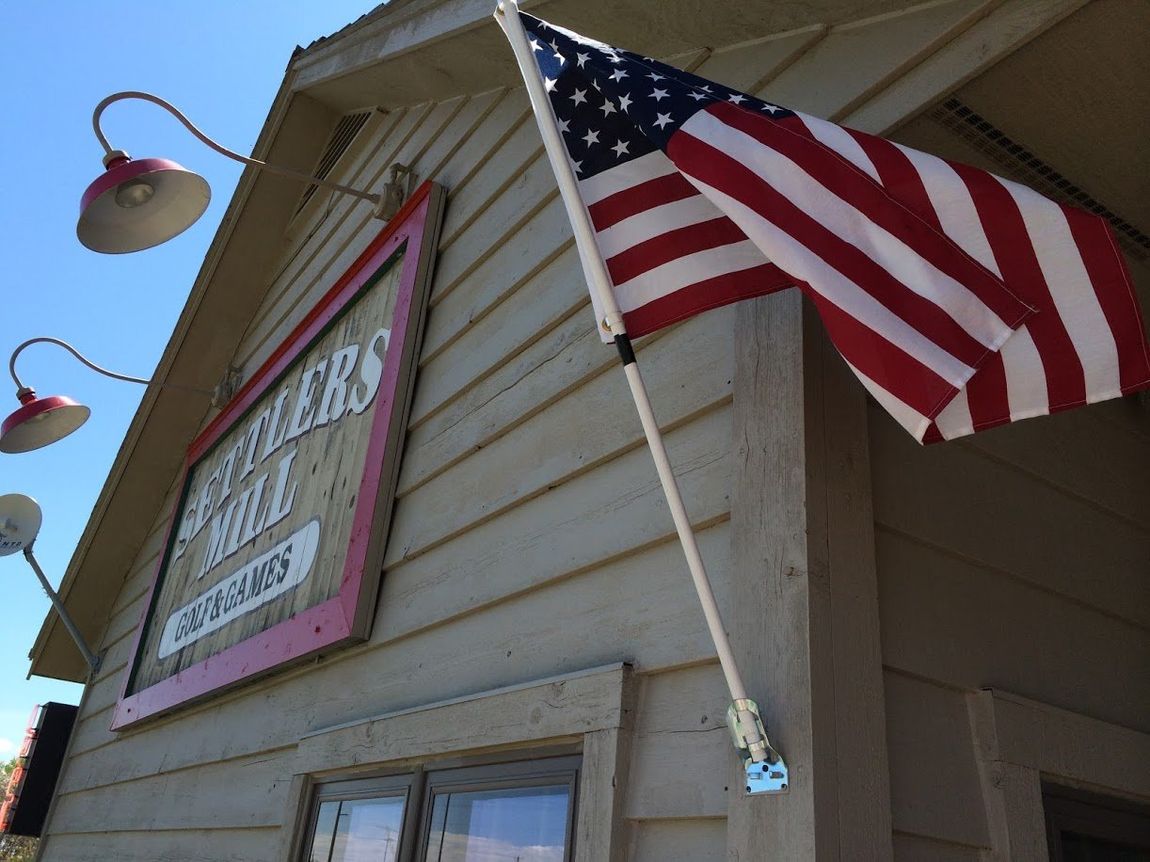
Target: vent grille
[1022, 165]
[345, 131]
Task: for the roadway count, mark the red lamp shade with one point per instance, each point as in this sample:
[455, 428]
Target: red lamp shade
[135, 205]
[41, 421]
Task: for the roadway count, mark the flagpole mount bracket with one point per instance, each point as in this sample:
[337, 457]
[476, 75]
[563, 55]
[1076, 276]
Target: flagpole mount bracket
[766, 771]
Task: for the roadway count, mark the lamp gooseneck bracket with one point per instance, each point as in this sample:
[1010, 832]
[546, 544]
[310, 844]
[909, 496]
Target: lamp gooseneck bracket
[111, 154]
[40, 422]
[138, 204]
[20, 521]
[44, 339]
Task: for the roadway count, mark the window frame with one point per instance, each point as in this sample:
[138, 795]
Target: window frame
[1092, 815]
[517, 774]
[1023, 747]
[421, 783]
[407, 784]
[588, 712]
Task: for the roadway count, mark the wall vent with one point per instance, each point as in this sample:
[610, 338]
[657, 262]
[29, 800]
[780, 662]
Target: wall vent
[345, 131]
[1025, 167]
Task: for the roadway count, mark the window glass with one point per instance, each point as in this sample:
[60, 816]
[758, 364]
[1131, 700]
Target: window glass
[1088, 827]
[358, 830]
[519, 811]
[324, 832]
[1088, 848]
[525, 824]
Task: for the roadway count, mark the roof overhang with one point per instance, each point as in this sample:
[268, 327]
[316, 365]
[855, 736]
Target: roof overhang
[406, 54]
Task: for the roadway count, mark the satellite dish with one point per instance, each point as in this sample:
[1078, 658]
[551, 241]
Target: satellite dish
[20, 518]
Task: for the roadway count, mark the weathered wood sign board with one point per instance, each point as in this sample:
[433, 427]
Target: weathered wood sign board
[274, 548]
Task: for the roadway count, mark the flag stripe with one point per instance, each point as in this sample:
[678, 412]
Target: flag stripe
[864, 196]
[1025, 377]
[1115, 294]
[950, 198]
[804, 247]
[638, 199]
[686, 270]
[671, 245]
[919, 387]
[842, 141]
[904, 414]
[899, 176]
[953, 421]
[1068, 284]
[704, 295]
[986, 394]
[625, 176]
[647, 225]
[1007, 233]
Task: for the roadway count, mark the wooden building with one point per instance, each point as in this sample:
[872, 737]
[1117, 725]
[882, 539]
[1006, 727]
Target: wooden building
[951, 644]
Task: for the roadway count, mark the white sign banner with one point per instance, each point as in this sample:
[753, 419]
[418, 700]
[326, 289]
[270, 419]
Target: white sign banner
[256, 583]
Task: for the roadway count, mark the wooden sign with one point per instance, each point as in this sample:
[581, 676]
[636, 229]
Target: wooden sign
[275, 546]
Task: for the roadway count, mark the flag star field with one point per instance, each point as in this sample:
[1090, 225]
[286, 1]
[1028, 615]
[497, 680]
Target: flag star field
[614, 106]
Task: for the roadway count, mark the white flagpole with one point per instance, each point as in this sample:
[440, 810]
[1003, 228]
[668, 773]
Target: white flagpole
[766, 770]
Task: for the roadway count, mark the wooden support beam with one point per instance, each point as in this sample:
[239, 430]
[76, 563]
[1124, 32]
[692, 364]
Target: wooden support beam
[804, 620]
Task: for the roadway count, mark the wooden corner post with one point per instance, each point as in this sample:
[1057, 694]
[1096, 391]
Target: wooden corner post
[804, 616]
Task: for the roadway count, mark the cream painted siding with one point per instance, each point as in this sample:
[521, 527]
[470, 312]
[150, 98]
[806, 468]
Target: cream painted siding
[530, 537]
[1015, 560]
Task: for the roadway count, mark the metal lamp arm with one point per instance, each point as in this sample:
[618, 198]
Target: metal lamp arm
[74, 352]
[143, 381]
[90, 657]
[219, 148]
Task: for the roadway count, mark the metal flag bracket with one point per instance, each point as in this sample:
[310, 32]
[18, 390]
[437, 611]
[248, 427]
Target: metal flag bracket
[766, 773]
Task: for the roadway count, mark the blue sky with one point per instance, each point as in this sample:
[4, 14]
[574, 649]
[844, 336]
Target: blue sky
[221, 63]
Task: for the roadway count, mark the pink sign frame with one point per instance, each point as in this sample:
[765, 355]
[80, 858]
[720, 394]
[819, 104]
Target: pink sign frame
[347, 616]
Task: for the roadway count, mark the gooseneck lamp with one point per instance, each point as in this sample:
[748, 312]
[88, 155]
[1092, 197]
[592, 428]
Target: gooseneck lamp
[41, 421]
[139, 203]
[20, 520]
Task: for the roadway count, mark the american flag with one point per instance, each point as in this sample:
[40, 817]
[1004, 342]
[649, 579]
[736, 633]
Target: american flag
[961, 300]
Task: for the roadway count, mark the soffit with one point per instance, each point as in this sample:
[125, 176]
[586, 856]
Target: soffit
[1078, 98]
[435, 50]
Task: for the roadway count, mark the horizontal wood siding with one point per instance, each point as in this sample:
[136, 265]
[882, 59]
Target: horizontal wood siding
[157, 845]
[697, 840]
[1014, 560]
[914, 848]
[682, 719]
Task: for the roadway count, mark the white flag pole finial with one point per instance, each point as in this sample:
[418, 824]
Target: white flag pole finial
[766, 771]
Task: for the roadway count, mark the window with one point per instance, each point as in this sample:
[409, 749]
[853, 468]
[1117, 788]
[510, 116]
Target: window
[358, 820]
[518, 812]
[1085, 827]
